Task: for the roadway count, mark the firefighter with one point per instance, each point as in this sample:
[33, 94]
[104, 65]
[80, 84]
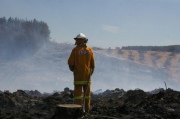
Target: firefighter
[81, 63]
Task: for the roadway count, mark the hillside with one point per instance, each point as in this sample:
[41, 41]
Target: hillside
[167, 61]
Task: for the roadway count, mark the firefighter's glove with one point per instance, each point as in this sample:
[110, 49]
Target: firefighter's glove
[71, 68]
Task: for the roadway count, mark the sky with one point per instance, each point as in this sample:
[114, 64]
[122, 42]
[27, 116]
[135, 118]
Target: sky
[106, 23]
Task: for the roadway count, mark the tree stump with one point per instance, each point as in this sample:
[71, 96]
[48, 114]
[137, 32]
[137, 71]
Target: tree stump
[68, 111]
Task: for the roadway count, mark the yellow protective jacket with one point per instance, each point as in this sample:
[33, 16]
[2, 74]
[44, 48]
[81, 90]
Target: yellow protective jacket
[82, 61]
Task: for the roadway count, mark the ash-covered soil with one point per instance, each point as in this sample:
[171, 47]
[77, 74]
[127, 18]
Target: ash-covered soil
[111, 104]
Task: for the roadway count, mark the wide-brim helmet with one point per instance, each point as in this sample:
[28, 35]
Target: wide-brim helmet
[80, 36]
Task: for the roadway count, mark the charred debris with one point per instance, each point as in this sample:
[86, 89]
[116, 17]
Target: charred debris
[110, 104]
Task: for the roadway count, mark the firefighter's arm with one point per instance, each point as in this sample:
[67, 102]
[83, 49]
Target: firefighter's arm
[92, 71]
[71, 61]
[92, 63]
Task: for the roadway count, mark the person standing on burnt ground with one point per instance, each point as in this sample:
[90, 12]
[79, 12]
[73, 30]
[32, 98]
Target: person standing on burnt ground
[81, 63]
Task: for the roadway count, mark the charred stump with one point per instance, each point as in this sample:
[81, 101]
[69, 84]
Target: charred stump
[68, 111]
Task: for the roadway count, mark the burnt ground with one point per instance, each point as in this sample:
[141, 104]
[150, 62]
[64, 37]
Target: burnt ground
[111, 104]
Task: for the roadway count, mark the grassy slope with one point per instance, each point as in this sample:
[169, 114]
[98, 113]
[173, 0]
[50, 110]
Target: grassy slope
[169, 62]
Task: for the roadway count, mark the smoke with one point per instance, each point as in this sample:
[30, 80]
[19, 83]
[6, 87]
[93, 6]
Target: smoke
[114, 73]
[47, 70]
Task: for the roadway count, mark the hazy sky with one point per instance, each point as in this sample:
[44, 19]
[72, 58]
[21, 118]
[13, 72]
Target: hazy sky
[107, 23]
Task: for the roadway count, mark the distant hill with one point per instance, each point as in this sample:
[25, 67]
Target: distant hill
[169, 62]
[170, 48]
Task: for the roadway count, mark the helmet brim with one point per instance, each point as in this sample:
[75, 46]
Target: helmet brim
[80, 38]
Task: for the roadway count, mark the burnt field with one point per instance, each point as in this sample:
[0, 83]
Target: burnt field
[111, 104]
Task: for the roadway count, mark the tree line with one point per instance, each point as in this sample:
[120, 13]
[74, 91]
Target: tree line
[170, 48]
[17, 35]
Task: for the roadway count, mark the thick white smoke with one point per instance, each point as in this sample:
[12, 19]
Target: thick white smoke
[47, 70]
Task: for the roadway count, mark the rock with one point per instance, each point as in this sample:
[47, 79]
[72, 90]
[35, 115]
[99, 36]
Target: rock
[111, 104]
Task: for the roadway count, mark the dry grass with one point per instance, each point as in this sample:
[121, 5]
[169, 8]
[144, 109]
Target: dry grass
[170, 62]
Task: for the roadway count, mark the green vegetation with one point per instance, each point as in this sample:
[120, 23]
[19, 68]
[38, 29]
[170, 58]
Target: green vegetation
[171, 48]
